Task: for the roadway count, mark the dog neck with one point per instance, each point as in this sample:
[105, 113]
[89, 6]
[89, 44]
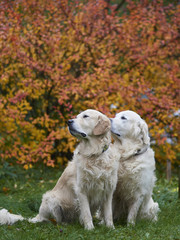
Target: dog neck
[130, 148]
[94, 146]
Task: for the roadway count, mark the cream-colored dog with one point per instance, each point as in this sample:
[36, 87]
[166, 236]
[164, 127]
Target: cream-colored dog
[136, 177]
[96, 164]
[89, 181]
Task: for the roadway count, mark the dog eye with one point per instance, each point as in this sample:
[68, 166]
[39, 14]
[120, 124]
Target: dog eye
[85, 116]
[124, 118]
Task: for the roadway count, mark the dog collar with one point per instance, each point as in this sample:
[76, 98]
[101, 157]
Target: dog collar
[105, 148]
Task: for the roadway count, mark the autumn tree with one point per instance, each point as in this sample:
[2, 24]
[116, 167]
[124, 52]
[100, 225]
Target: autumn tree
[58, 58]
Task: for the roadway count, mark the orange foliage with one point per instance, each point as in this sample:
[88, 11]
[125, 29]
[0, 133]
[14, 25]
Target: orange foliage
[58, 58]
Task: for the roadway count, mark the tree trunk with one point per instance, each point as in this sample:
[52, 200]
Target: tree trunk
[168, 170]
[179, 182]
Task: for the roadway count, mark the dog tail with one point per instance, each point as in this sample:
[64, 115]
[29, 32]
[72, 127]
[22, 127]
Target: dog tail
[9, 218]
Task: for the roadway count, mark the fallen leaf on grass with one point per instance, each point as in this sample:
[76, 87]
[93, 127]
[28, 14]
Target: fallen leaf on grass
[5, 189]
[53, 221]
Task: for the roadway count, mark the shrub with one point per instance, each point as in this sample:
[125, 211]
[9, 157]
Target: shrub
[58, 58]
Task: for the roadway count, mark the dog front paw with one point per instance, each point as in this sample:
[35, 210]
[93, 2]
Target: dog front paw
[89, 226]
[131, 223]
[110, 224]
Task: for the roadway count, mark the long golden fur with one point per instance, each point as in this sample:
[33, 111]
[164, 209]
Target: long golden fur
[89, 181]
[136, 174]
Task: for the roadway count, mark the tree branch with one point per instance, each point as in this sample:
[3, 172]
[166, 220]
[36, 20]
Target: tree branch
[119, 5]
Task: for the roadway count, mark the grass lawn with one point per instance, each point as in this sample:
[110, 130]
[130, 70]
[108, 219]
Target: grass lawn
[21, 192]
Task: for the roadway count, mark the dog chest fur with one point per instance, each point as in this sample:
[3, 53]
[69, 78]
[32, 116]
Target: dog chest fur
[139, 172]
[97, 176]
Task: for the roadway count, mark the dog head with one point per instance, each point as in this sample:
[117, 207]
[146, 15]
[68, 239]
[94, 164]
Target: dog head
[89, 123]
[128, 124]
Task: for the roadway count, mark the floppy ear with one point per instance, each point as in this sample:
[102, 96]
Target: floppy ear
[144, 131]
[102, 126]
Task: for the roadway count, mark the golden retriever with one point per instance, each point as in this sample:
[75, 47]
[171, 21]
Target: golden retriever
[89, 181]
[96, 164]
[136, 178]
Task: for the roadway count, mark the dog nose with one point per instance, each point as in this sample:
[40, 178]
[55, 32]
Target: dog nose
[69, 122]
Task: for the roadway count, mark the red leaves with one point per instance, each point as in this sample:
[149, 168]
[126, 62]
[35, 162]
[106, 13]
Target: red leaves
[58, 59]
[18, 97]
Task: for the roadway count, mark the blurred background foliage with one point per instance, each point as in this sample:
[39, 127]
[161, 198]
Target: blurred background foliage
[58, 58]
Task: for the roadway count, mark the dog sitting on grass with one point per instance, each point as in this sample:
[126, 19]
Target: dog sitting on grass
[88, 182]
[136, 175]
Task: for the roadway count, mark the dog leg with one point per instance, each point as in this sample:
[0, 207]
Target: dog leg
[133, 211]
[149, 209]
[107, 209]
[85, 213]
[43, 215]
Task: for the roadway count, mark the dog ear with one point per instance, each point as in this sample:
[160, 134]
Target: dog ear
[102, 126]
[144, 131]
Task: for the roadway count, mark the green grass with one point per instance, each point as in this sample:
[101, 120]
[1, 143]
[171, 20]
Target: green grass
[22, 194]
